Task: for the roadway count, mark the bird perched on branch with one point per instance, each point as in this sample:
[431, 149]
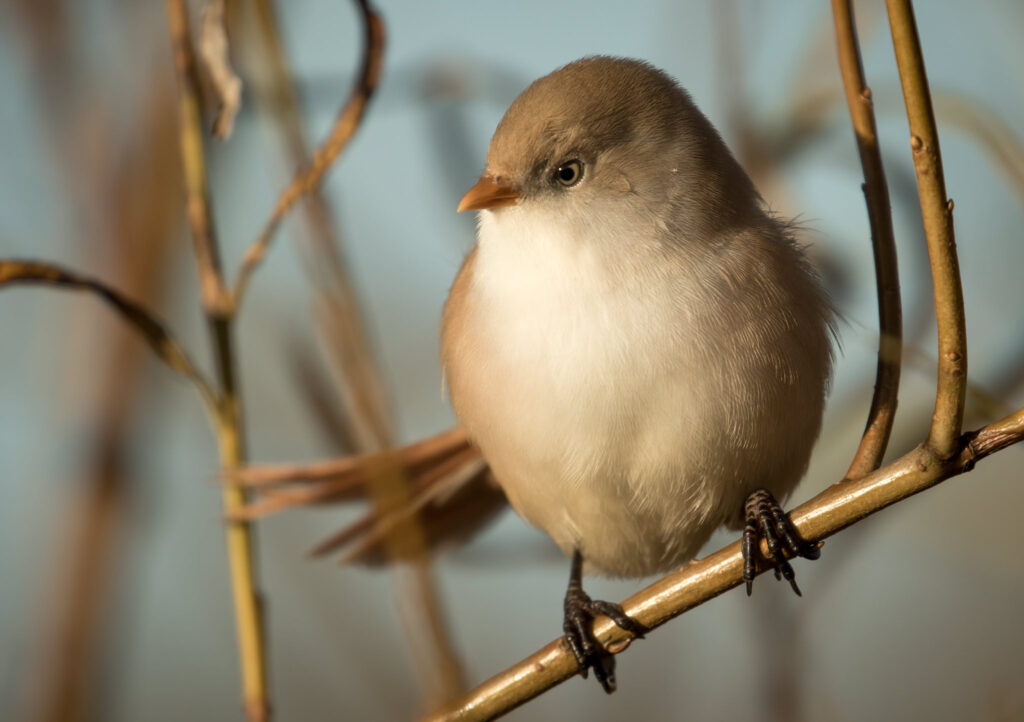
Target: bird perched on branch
[638, 347]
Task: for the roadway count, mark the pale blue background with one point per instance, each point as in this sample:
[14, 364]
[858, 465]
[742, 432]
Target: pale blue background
[912, 615]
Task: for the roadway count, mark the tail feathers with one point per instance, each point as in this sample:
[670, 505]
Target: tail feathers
[427, 495]
[447, 518]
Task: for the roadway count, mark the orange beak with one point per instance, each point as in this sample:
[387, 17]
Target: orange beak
[488, 193]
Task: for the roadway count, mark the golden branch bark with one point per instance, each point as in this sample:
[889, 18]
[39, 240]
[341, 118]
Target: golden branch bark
[838, 507]
[876, 192]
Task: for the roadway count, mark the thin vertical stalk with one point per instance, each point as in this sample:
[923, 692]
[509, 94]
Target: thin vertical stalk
[342, 327]
[238, 534]
[876, 193]
[219, 309]
[937, 215]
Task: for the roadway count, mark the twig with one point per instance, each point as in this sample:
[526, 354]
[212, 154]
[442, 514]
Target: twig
[145, 322]
[227, 418]
[835, 509]
[367, 423]
[876, 192]
[344, 129]
[211, 281]
[937, 214]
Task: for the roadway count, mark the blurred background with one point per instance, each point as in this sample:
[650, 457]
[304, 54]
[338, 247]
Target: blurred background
[114, 599]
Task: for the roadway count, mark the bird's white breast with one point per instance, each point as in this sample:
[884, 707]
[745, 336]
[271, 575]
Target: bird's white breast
[597, 393]
[571, 392]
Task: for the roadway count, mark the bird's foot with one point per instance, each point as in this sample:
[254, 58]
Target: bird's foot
[580, 611]
[766, 520]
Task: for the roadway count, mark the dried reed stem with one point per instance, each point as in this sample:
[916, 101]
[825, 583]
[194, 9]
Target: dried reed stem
[238, 535]
[367, 422]
[219, 308]
[344, 129]
[937, 215]
[835, 509]
[211, 281]
[876, 192]
[142, 319]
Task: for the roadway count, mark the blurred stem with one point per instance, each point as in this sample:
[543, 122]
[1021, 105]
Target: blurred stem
[342, 132]
[240, 544]
[937, 215]
[340, 320]
[343, 330]
[214, 293]
[228, 418]
[876, 193]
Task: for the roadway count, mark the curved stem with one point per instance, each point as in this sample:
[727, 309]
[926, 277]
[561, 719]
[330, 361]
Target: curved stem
[876, 192]
[937, 214]
[344, 129]
[144, 321]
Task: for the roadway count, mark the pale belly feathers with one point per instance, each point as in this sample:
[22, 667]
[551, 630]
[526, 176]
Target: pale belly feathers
[606, 410]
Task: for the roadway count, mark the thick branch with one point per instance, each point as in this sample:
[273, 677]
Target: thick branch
[836, 508]
[142, 319]
[937, 214]
[876, 192]
[344, 129]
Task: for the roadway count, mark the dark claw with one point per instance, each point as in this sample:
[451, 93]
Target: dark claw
[765, 519]
[580, 611]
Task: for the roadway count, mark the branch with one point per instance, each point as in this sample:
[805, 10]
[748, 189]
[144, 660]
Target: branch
[211, 280]
[144, 321]
[217, 302]
[344, 129]
[937, 214]
[835, 509]
[876, 192]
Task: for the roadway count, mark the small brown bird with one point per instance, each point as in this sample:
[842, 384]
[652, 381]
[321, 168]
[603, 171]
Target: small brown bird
[639, 348]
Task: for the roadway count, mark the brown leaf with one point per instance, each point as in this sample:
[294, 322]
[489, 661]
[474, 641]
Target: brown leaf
[213, 49]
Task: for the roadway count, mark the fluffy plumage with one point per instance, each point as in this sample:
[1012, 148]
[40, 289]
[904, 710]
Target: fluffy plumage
[636, 353]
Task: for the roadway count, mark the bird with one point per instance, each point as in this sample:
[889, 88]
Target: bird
[638, 346]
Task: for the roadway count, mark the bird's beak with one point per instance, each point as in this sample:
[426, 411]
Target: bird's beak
[489, 193]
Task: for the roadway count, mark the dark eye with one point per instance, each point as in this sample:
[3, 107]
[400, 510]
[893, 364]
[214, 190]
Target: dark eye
[569, 173]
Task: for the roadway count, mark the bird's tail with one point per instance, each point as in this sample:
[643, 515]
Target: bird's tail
[424, 496]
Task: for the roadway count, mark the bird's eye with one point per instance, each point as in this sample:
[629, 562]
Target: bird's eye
[569, 173]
